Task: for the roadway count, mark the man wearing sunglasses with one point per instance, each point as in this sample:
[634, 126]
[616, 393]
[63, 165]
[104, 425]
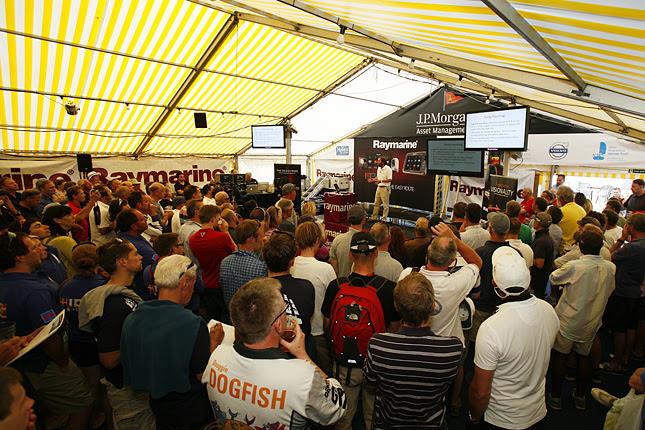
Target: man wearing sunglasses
[262, 380]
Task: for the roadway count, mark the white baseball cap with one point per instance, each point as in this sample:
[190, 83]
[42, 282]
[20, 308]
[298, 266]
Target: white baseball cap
[93, 174]
[510, 272]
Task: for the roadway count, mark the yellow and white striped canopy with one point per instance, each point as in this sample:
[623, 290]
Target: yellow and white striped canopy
[138, 70]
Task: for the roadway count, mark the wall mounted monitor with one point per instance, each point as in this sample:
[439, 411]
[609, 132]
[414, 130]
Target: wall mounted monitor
[448, 157]
[498, 130]
[267, 136]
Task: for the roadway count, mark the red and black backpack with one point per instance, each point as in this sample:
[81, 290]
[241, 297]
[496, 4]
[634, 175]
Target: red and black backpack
[356, 315]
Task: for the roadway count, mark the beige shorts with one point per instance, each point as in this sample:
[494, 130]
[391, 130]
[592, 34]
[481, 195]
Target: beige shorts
[62, 391]
[565, 346]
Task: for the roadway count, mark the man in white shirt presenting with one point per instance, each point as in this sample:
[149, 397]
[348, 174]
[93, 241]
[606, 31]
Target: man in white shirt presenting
[512, 351]
[383, 180]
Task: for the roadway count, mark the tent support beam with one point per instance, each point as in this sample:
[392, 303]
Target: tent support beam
[210, 52]
[552, 85]
[615, 117]
[329, 90]
[522, 27]
[606, 125]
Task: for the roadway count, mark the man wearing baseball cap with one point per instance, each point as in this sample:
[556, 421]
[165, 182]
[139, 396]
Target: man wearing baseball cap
[95, 178]
[362, 252]
[512, 351]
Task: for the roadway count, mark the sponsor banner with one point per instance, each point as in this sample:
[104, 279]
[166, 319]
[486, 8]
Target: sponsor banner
[147, 169]
[288, 174]
[332, 230]
[411, 186]
[471, 190]
[583, 149]
[336, 206]
[500, 190]
[334, 168]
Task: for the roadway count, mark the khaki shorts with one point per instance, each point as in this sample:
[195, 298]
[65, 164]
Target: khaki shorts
[62, 391]
[565, 346]
[130, 410]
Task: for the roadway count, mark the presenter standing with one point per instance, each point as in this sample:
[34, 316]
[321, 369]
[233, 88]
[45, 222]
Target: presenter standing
[383, 180]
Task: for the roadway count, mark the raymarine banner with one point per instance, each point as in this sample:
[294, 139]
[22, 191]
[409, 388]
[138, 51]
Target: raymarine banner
[471, 190]
[411, 186]
[583, 149]
[148, 169]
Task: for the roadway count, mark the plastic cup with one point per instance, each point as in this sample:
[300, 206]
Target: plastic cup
[289, 332]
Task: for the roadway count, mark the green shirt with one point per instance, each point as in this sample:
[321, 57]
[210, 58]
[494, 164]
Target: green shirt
[525, 234]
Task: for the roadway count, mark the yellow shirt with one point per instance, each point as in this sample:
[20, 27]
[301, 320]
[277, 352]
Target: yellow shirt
[571, 214]
[64, 245]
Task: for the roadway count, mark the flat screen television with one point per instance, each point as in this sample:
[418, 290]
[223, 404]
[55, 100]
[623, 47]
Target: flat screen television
[448, 157]
[267, 136]
[498, 130]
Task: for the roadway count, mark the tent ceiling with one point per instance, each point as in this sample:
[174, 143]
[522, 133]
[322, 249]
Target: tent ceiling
[138, 70]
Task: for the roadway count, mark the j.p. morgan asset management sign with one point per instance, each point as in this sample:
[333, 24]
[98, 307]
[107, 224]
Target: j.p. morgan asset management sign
[441, 124]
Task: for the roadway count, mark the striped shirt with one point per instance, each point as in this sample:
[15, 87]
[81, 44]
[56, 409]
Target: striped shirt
[413, 370]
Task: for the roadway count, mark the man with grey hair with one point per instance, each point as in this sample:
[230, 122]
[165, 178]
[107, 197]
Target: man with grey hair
[416, 249]
[165, 348]
[385, 265]
[451, 287]
[289, 194]
[571, 214]
[263, 379]
[486, 301]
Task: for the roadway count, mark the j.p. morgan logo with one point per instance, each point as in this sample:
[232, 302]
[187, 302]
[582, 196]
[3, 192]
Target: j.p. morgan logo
[440, 123]
[558, 151]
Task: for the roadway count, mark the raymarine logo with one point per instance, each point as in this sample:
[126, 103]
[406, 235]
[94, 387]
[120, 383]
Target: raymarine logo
[558, 151]
[406, 144]
[337, 208]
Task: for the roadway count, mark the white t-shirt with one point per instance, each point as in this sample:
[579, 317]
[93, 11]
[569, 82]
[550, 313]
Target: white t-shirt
[209, 201]
[320, 274]
[475, 236]
[382, 174]
[524, 249]
[450, 289]
[611, 236]
[99, 239]
[516, 343]
[269, 388]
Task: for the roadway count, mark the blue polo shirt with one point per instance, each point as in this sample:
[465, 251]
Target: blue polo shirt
[53, 266]
[29, 300]
[69, 296]
[149, 256]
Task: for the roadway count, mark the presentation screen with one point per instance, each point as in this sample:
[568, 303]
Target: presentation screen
[498, 130]
[447, 157]
[267, 136]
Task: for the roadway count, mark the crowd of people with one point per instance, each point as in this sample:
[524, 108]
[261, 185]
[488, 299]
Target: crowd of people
[185, 309]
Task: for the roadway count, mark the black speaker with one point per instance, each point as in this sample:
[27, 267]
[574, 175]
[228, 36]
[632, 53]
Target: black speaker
[200, 120]
[84, 162]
